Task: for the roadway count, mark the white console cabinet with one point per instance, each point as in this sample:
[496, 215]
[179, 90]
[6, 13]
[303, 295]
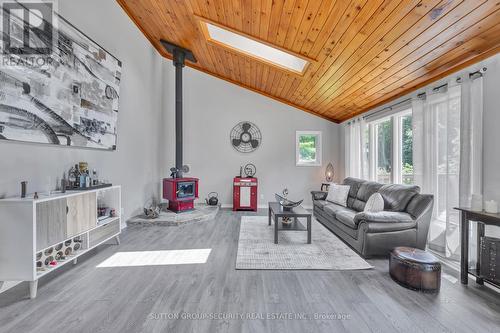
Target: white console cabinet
[37, 236]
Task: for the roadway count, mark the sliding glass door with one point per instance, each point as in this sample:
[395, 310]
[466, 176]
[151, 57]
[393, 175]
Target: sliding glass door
[447, 156]
[437, 144]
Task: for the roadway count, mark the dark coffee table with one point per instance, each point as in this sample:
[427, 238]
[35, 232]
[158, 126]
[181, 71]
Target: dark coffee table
[276, 212]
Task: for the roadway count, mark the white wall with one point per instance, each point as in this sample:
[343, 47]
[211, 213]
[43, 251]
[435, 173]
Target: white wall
[212, 107]
[135, 164]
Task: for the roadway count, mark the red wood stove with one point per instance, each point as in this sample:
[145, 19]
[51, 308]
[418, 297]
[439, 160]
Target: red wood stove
[180, 193]
[245, 193]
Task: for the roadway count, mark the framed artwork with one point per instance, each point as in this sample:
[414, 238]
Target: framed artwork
[67, 97]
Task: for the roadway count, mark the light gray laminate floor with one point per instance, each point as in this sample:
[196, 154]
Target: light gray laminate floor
[84, 298]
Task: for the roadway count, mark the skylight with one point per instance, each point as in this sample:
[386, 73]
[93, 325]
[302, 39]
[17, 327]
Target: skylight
[255, 49]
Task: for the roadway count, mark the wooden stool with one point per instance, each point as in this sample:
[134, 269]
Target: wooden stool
[415, 269]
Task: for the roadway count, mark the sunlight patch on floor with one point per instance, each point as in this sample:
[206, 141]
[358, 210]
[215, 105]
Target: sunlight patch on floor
[156, 258]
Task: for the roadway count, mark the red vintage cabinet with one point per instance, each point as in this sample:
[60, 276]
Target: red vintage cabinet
[245, 193]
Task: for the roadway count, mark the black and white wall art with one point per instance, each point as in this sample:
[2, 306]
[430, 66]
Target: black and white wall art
[67, 97]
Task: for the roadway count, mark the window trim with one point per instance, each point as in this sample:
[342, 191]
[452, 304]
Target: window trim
[398, 145]
[319, 149]
[374, 147]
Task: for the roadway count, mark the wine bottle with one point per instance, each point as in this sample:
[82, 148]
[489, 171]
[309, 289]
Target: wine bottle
[87, 179]
[77, 176]
[71, 177]
[95, 181]
[83, 179]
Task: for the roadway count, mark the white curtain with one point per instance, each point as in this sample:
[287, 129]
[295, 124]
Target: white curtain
[471, 168]
[355, 149]
[471, 161]
[447, 156]
[436, 140]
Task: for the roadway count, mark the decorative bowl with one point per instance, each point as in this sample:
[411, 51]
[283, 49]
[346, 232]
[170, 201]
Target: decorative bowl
[286, 203]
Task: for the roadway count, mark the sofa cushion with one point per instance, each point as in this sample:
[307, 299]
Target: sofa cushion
[383, 217]
[321, 204]
[338, 194]
[332, 209]
[353, 233]
[420, 204]
[398, 196]
[389, 227]
[346, 217]
[354, 183]
[366, 190]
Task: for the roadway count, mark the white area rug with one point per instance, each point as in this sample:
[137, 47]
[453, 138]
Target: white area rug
[256, 248]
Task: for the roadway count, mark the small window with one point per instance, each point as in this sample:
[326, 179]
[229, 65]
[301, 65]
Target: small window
[308, 148]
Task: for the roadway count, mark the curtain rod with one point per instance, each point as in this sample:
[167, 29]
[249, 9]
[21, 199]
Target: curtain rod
[479, 72]
[390, 107]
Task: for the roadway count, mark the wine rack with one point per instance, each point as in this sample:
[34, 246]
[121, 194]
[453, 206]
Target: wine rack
[54, 256]
[37, 236]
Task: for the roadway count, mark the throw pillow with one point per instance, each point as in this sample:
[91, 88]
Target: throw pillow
[337, 194]
[375, 203]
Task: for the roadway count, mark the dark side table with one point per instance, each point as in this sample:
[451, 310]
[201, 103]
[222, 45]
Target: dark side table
[276, 212]
[482, 219]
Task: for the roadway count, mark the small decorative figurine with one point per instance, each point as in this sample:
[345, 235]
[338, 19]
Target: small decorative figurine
[35, 196]
[250, 170]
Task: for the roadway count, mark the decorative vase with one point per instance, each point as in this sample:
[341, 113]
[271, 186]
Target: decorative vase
[476, 203]
[491, 207]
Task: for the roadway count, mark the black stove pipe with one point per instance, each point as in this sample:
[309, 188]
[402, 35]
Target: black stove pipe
[178, 63]
[179, 55]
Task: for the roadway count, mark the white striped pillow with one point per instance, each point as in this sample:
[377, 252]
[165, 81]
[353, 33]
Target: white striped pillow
[375, 203]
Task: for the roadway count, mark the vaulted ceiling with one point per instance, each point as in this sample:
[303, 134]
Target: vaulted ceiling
[362, 53]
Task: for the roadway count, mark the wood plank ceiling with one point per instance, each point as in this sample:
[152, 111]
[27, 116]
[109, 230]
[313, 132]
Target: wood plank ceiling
[363, 52]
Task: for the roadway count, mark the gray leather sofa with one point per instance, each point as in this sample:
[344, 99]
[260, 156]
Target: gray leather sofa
[404, 221]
